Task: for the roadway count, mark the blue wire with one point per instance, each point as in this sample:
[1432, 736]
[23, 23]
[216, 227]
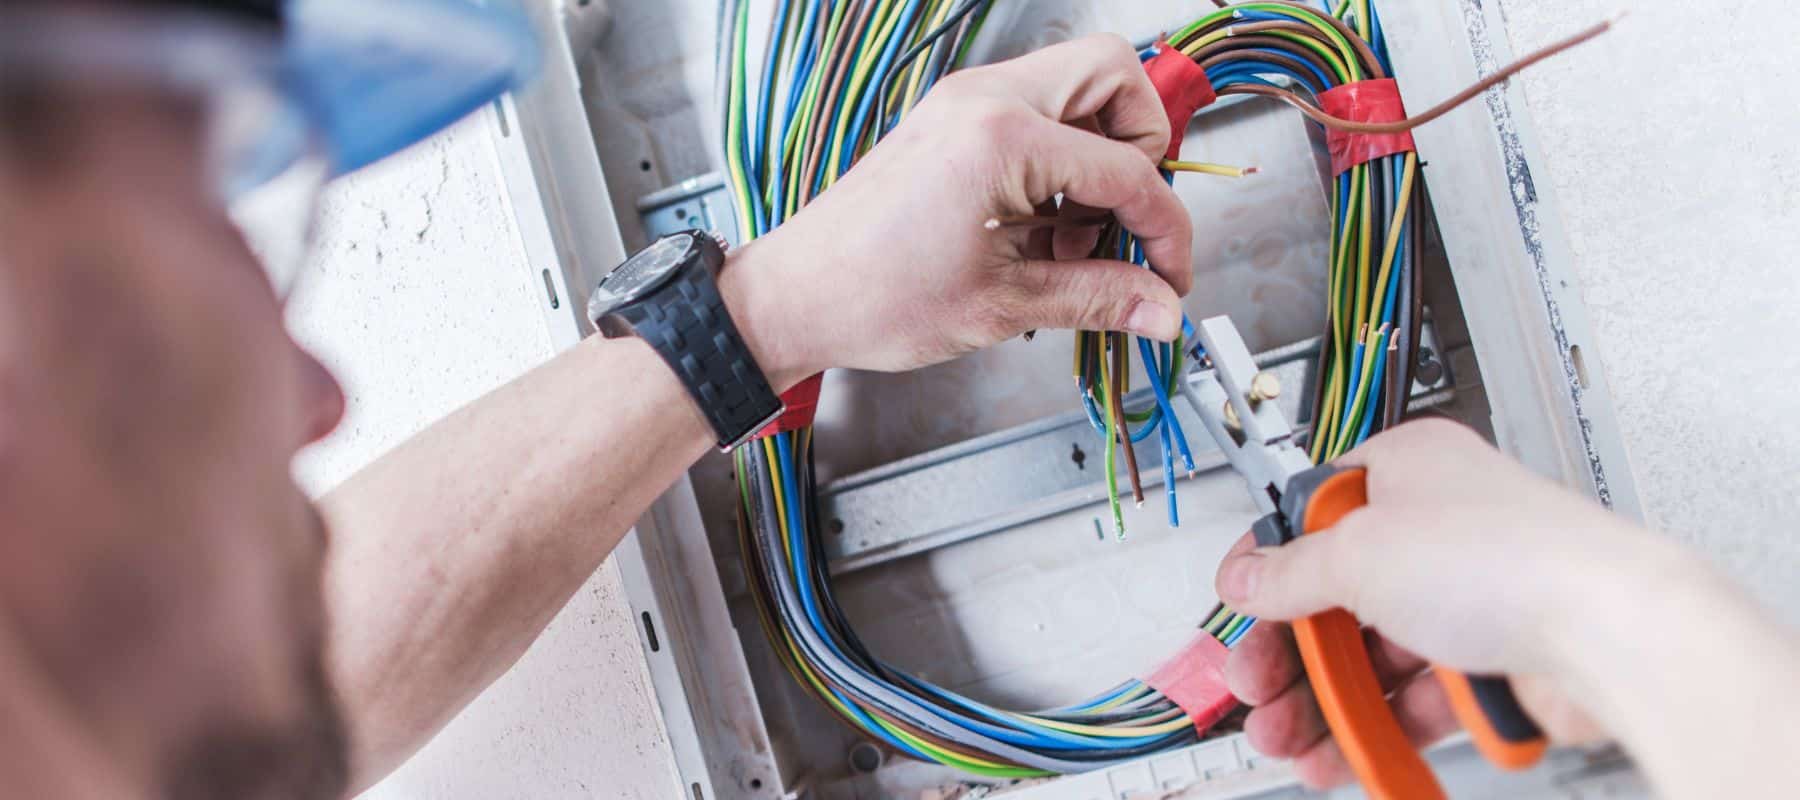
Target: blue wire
[1368, 422]
[1160, 389]
[1159, 369]
[1168, 462]
[1379, 42]
[1403, 252]
[1122, 690]
[1356, 359]
[1313, 80]
[759, 136]
[873, 87]
[1232, 642]
[796, 89]
[803, 71]
[1343, 181]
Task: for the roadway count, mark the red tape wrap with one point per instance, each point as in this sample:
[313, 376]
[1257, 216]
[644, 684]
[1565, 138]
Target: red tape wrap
[1364, 101]
[801, 402]
[1195, 680]
[1184, 89]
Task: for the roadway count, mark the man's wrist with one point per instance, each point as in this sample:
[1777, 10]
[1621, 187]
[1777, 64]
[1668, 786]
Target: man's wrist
[763, 313]
[1616, 599]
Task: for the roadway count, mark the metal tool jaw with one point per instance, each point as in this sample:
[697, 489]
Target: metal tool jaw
[1254, 435]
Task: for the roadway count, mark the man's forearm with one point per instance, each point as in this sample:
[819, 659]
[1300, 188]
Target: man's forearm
[451, 553]
[1695, 679]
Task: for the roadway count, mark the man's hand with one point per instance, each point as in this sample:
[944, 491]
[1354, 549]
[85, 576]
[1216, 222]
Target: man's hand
[1462, 558]
[892, 269]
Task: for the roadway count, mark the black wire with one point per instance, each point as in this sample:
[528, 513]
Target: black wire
[906, 58]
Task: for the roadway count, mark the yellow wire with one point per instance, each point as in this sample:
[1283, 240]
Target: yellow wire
[1204, 168]
[917, 67]
[887, 18]
[768, 443]
[1393, 232]
[1371, 350]
[1119, 733]
[1326, 420]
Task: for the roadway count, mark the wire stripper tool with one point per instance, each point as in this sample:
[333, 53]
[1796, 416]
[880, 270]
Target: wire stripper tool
[1235, 402]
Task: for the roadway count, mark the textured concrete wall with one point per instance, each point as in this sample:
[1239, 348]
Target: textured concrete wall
[1669, 145]
[419, 303]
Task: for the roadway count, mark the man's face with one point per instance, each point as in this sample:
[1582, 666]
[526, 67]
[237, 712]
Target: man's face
[158, 565]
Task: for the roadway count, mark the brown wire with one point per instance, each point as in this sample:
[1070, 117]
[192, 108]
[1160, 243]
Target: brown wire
[1314, 113]
[849, 30]
[1117, 345]
[1370, 63]
[1297, 54]
[1364, 54]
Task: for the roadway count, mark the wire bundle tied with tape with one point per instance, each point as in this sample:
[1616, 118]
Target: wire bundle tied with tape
[836, 77]
[1373, 100]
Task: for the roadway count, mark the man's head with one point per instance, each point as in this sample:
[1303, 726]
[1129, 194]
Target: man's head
[161, 620]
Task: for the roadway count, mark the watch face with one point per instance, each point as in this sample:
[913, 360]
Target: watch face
[641, 272]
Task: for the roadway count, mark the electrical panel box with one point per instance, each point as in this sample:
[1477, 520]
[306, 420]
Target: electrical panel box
[963, 510]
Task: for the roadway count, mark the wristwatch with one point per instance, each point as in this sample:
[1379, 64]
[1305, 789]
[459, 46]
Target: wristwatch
[668, 295]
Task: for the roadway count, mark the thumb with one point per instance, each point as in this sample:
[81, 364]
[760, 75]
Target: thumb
[1099, 295]
[1306, 576]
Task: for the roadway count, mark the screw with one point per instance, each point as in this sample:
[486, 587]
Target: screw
[1429, 370]
[865, 757]
[1264, 386]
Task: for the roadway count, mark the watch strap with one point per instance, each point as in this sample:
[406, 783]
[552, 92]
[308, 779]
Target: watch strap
[686, 322]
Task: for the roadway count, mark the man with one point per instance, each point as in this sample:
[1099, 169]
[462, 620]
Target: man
[177, 620]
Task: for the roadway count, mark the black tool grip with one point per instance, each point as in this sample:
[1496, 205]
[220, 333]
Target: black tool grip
[1488, 709]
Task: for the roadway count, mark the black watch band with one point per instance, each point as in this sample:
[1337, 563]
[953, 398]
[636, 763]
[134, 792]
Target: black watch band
[686, 322]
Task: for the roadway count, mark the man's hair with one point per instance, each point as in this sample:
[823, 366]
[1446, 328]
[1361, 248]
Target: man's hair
[31, 118]
[269, 11]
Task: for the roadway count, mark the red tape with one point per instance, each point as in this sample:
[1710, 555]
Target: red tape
[1184, 89]
[802, 402]
[1195, 680]
[1364, 101]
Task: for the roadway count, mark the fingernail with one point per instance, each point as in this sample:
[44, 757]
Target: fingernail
[1152, 320]
[1237, 577]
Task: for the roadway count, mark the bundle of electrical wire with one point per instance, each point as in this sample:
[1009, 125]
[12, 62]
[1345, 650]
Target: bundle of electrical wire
[838, 75]
[1372, 313]
[835, 77]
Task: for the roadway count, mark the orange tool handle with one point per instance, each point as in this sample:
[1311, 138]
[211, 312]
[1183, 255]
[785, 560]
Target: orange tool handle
[1337, 663]
[1487, 708]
